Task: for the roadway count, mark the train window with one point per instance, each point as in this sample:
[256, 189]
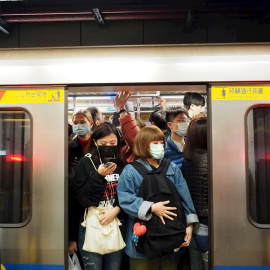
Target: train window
[258, 126]
[14, 167]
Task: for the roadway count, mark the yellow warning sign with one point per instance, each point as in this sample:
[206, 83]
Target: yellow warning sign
[240, 92]
[32, 96]
[145, 117]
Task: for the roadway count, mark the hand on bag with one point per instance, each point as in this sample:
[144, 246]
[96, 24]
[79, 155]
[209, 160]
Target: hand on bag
[109, 215]
[188, 236]
[104, 170]
[163, 211]
[72, 247]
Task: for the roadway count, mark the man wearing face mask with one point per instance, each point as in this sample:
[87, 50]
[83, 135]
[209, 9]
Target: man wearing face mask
[177, 121]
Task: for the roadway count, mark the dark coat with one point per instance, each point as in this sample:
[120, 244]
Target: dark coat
[75, 153]
[88, 188]
[88, 185]
[196, 174]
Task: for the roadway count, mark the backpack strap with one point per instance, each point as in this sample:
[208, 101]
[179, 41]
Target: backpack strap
[139, 167]
[163, 167]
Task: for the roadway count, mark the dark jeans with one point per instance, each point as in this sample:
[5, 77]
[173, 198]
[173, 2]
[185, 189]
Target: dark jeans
[201, 237]
[111, 261]
[195, 256]
[158, 263]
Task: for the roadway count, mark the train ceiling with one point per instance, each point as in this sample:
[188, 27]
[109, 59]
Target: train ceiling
[13, 11]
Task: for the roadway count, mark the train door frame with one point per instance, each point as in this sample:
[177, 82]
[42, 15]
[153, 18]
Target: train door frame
[181, 92]
[239, 107]
[41, 102]
[210, 179]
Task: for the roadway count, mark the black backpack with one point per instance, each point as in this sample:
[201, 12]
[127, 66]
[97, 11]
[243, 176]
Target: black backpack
[160, 239]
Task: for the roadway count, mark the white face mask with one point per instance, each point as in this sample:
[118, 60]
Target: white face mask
[182, 129]
[157, 151]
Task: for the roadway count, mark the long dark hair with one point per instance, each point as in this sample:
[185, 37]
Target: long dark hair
[102, 131]
[196, 136]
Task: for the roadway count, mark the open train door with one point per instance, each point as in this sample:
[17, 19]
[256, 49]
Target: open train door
[240, 173]
[33, 186]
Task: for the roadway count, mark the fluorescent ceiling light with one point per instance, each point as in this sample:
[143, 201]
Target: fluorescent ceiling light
[176, 96]
[92, 98]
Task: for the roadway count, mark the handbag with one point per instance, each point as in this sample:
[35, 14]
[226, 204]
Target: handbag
[73, 263]
[101, 239]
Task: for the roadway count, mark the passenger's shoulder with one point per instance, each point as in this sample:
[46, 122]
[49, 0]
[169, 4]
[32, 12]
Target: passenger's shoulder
[200, 155]
[129, 166]
[173, 166]
[86, 161]
[73, 143]
[129, 169]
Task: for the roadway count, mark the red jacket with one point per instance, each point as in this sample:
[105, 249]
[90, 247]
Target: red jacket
[129, 129]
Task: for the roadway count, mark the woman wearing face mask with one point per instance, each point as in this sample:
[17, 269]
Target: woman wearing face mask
[195, 172]
[81, 125]
[95, 182]
[149, 147]
[177, 121]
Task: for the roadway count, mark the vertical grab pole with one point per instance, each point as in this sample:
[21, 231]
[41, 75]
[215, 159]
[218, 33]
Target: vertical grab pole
[138, 109]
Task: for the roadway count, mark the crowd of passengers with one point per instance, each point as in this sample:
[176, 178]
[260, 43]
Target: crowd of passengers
[178, 134]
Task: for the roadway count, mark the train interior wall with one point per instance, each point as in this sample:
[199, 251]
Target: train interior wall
[135, 32]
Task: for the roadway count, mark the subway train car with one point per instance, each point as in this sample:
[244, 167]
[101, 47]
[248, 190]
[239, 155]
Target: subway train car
[40, 88]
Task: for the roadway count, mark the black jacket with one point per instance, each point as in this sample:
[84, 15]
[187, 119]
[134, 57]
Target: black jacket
[88, 187]
[196, 174]
[75, 153]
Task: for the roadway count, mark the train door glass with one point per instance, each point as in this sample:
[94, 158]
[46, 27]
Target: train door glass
[14, 167]
[258, 126]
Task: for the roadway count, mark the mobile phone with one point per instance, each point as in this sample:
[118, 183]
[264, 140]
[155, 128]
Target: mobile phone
[107, 164]
[110, 160]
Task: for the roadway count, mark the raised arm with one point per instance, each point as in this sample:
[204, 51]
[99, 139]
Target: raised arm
[128, 124]
[163, 103]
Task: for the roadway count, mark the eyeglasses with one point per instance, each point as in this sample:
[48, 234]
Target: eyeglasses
[183, 120]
